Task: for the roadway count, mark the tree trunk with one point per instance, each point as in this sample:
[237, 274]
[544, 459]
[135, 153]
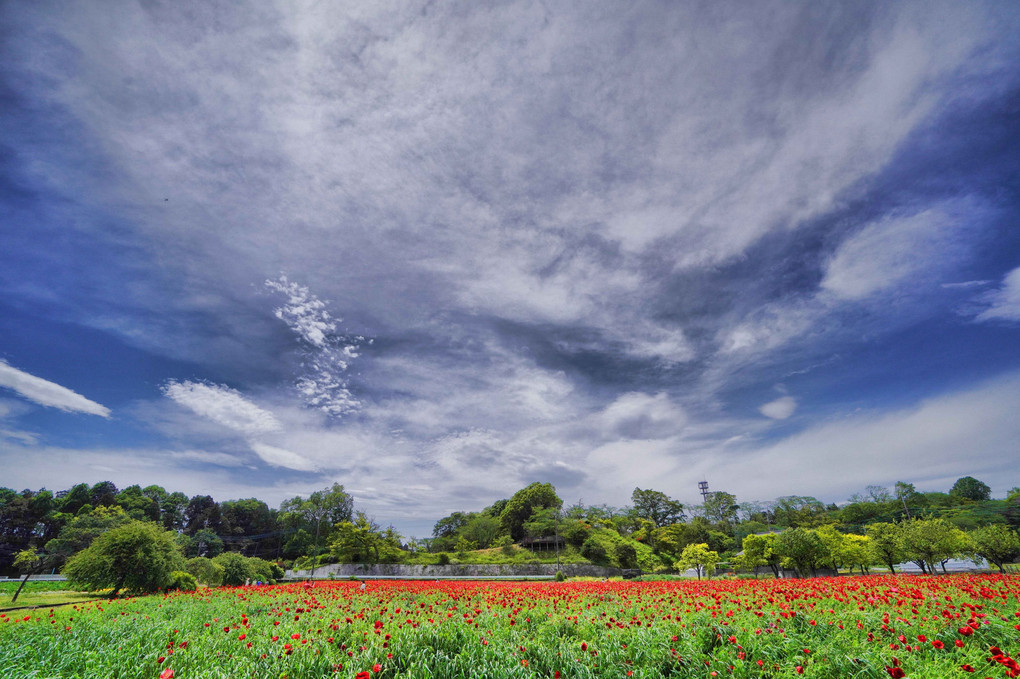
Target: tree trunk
[892, 567]
[120, 583]
[21, 586]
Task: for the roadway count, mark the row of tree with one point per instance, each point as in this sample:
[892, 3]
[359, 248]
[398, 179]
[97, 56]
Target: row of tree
[652, 531]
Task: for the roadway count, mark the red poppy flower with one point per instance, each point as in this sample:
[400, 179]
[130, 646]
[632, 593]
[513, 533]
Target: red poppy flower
[166, 674]
[377, 667]
[896, 672]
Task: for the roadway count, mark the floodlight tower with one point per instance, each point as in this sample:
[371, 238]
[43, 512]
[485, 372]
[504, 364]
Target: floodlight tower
[703, 487]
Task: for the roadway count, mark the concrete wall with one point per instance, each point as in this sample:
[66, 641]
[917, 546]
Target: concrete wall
[345, 570]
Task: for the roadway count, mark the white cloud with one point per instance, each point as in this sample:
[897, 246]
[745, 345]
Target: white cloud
[894, 250]
[279, 457]
[222, 405]
[970, 432]
[642, 417]
[323, 384]
[48, 393]
[780, 409]
[1004, 303]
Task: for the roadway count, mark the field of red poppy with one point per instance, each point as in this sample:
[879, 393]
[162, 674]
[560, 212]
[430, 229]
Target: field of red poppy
[950, 626]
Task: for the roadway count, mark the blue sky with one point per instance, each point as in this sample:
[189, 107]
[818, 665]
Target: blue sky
[439, 251]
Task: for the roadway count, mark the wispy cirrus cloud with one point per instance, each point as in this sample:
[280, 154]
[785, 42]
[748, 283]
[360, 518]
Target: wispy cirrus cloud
[46, 393]
[222, 405]
[1002, 304]
[327, 355]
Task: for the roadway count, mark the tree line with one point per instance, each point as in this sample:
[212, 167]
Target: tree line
[43, 530]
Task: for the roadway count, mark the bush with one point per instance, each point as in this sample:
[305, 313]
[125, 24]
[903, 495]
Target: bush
[236, 569]
[444, 559]
[560, 577]
[183, 581]
[594, 551]
[205, 570]
[138, 556]
[625, 555]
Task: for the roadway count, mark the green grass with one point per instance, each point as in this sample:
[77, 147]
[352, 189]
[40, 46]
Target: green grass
[43, 598]
[834, 628]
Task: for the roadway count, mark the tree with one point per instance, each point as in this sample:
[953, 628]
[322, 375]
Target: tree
[721, 507]
[886, 544]
[138, 556]
[657, 507]
[79, 533]
[523, 504]
[30, 562]
[448, 526]
[201, 512]
[969, 488]
[482, 529]
[362, 541]
[332, 505]
[235, 569]
[699, 557]
[759, 550]
[927, 542]
[997, 543]
[801, 548]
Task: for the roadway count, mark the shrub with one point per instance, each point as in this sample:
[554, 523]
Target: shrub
[138, 556]
[205, 570]
[236, 569]
[594, 551]
[560, 577]
[444, 559]
[625, 555]
[183, 580]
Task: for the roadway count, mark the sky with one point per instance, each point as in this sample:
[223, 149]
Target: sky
[438, 251]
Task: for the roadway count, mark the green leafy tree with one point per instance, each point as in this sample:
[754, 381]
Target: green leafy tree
[625, 555]
[362, 540]
[657, 507]
[856, 551]
[801, 548]
[482, 530]
[759, 550]
[886, 544]
[720, 507]
[79, 533]
[997, 543]
[699, 557]
[206, 570]
[523, 504]
[28, 562]
[969, 488]
[927, 542]
[235, 569]
[594, 551]
[138, 556]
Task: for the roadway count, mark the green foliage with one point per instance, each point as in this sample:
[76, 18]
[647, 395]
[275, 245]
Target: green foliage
[594, 551]
[997, 543]
[79, 533]
[657, 507]
[886, 544]
[506, 545]
[183, 580]
[969, 488]
[699, 557]
[625, 555]
[236, 569]
[444, 559]
[802, 549]
[759, 550]
[137, 556]
[206, 570]
[560, 577]
[523, 504]
[928, 542]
